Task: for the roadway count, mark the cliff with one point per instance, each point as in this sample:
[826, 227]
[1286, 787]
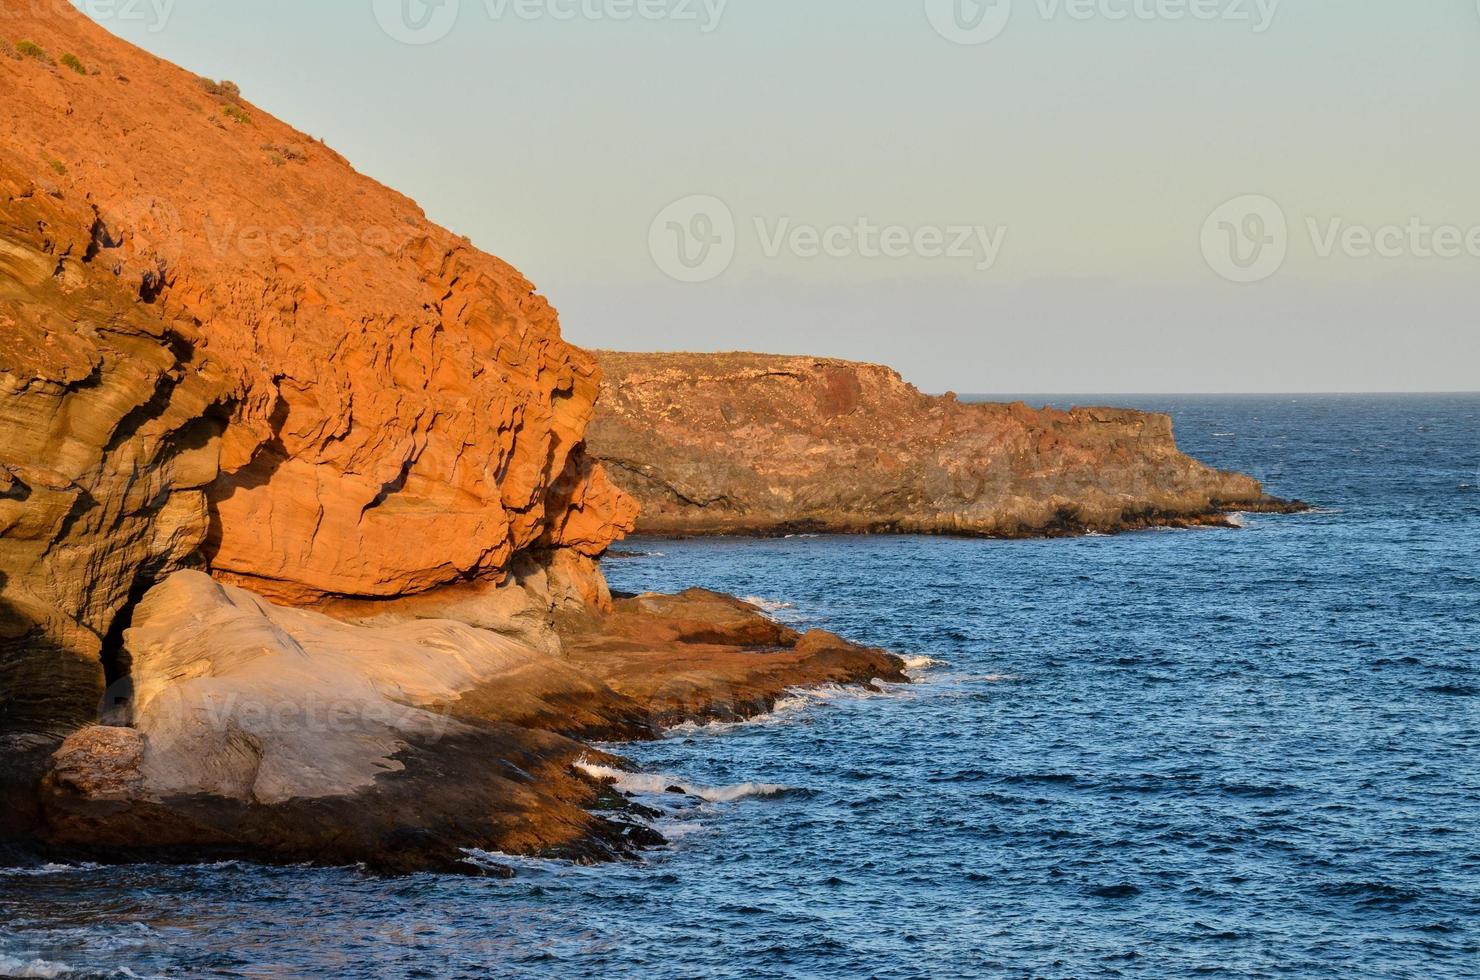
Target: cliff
[221, 345]
[297, 533]
[759, 444]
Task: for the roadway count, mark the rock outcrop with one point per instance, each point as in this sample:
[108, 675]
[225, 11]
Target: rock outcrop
[298, 538]
[222, 347]
[760, 444]
[247, 729]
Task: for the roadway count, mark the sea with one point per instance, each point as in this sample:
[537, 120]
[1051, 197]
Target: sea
[1238, 753]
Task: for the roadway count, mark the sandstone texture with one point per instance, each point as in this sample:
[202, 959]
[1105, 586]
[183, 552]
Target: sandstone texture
[300, 524]
[221, 347]
[761, 444]
[254, 730]
[298, 537]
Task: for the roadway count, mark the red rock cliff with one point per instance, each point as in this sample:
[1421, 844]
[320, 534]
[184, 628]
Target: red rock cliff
[754, 443]
[220, 343]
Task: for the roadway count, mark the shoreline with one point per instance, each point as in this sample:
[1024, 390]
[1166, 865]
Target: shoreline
[503, 773]
[1068, 528]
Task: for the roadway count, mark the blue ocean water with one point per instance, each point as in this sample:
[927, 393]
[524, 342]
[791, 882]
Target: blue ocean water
[1237, 753]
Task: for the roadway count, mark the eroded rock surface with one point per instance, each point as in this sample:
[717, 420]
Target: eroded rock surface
[298, 536]
[754, 443]
[222, 347]
[288, 735]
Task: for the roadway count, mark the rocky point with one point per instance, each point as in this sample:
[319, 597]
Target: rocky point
[763, 444]
[298, 538]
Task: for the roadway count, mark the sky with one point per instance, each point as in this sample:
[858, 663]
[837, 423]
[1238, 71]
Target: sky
[1110, 196]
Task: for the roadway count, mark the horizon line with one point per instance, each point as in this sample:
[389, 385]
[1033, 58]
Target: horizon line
[1199, 394]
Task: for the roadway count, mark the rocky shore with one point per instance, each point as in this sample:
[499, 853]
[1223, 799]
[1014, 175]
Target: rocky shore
[300, 529]
[298, 539]
[763, 444]
[286, 735]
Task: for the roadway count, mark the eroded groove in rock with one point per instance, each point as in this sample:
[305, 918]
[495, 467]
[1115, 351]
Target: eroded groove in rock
[214, 350]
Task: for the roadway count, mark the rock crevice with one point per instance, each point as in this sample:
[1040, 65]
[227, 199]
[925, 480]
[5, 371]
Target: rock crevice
[281, 372]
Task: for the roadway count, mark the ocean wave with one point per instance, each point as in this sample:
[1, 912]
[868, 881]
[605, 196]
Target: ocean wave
[767, 605]
[921, 662]
[796, 701]
[991, 678]
[653, 784]
[803, 698]
[47, 869]
[11, 966]
[521, 865]
[675, 829]
[1377, 894]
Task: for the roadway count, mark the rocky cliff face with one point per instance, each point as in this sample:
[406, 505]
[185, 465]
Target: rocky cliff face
[751, 443]
[221, 346]
[297, 534]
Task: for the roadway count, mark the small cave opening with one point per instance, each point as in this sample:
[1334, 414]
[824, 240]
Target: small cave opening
[118, 696]
[153, 283]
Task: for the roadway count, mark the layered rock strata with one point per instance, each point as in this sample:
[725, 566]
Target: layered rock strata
[221, 347]
[401, 742]
[763, 444]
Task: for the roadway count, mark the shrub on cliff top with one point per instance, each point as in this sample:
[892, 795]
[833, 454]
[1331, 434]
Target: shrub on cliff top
[236, 113]
[58, 166]
[74, 63]
[31, 49]
[223, 90]
[285, 152]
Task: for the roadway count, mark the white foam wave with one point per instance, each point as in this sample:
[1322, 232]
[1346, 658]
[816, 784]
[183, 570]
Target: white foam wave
[651, 784]
[524, 866]
[920, 662]
[804, 698]
[1238, 520]
[767, 605]
[989, 679]
[10, 966]
[798, 701]
[675, 830]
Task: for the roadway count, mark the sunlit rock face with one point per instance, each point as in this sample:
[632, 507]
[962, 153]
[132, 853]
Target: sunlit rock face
[222, 347]
[754, 443]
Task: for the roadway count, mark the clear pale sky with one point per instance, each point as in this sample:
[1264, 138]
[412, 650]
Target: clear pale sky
[1102, 145]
